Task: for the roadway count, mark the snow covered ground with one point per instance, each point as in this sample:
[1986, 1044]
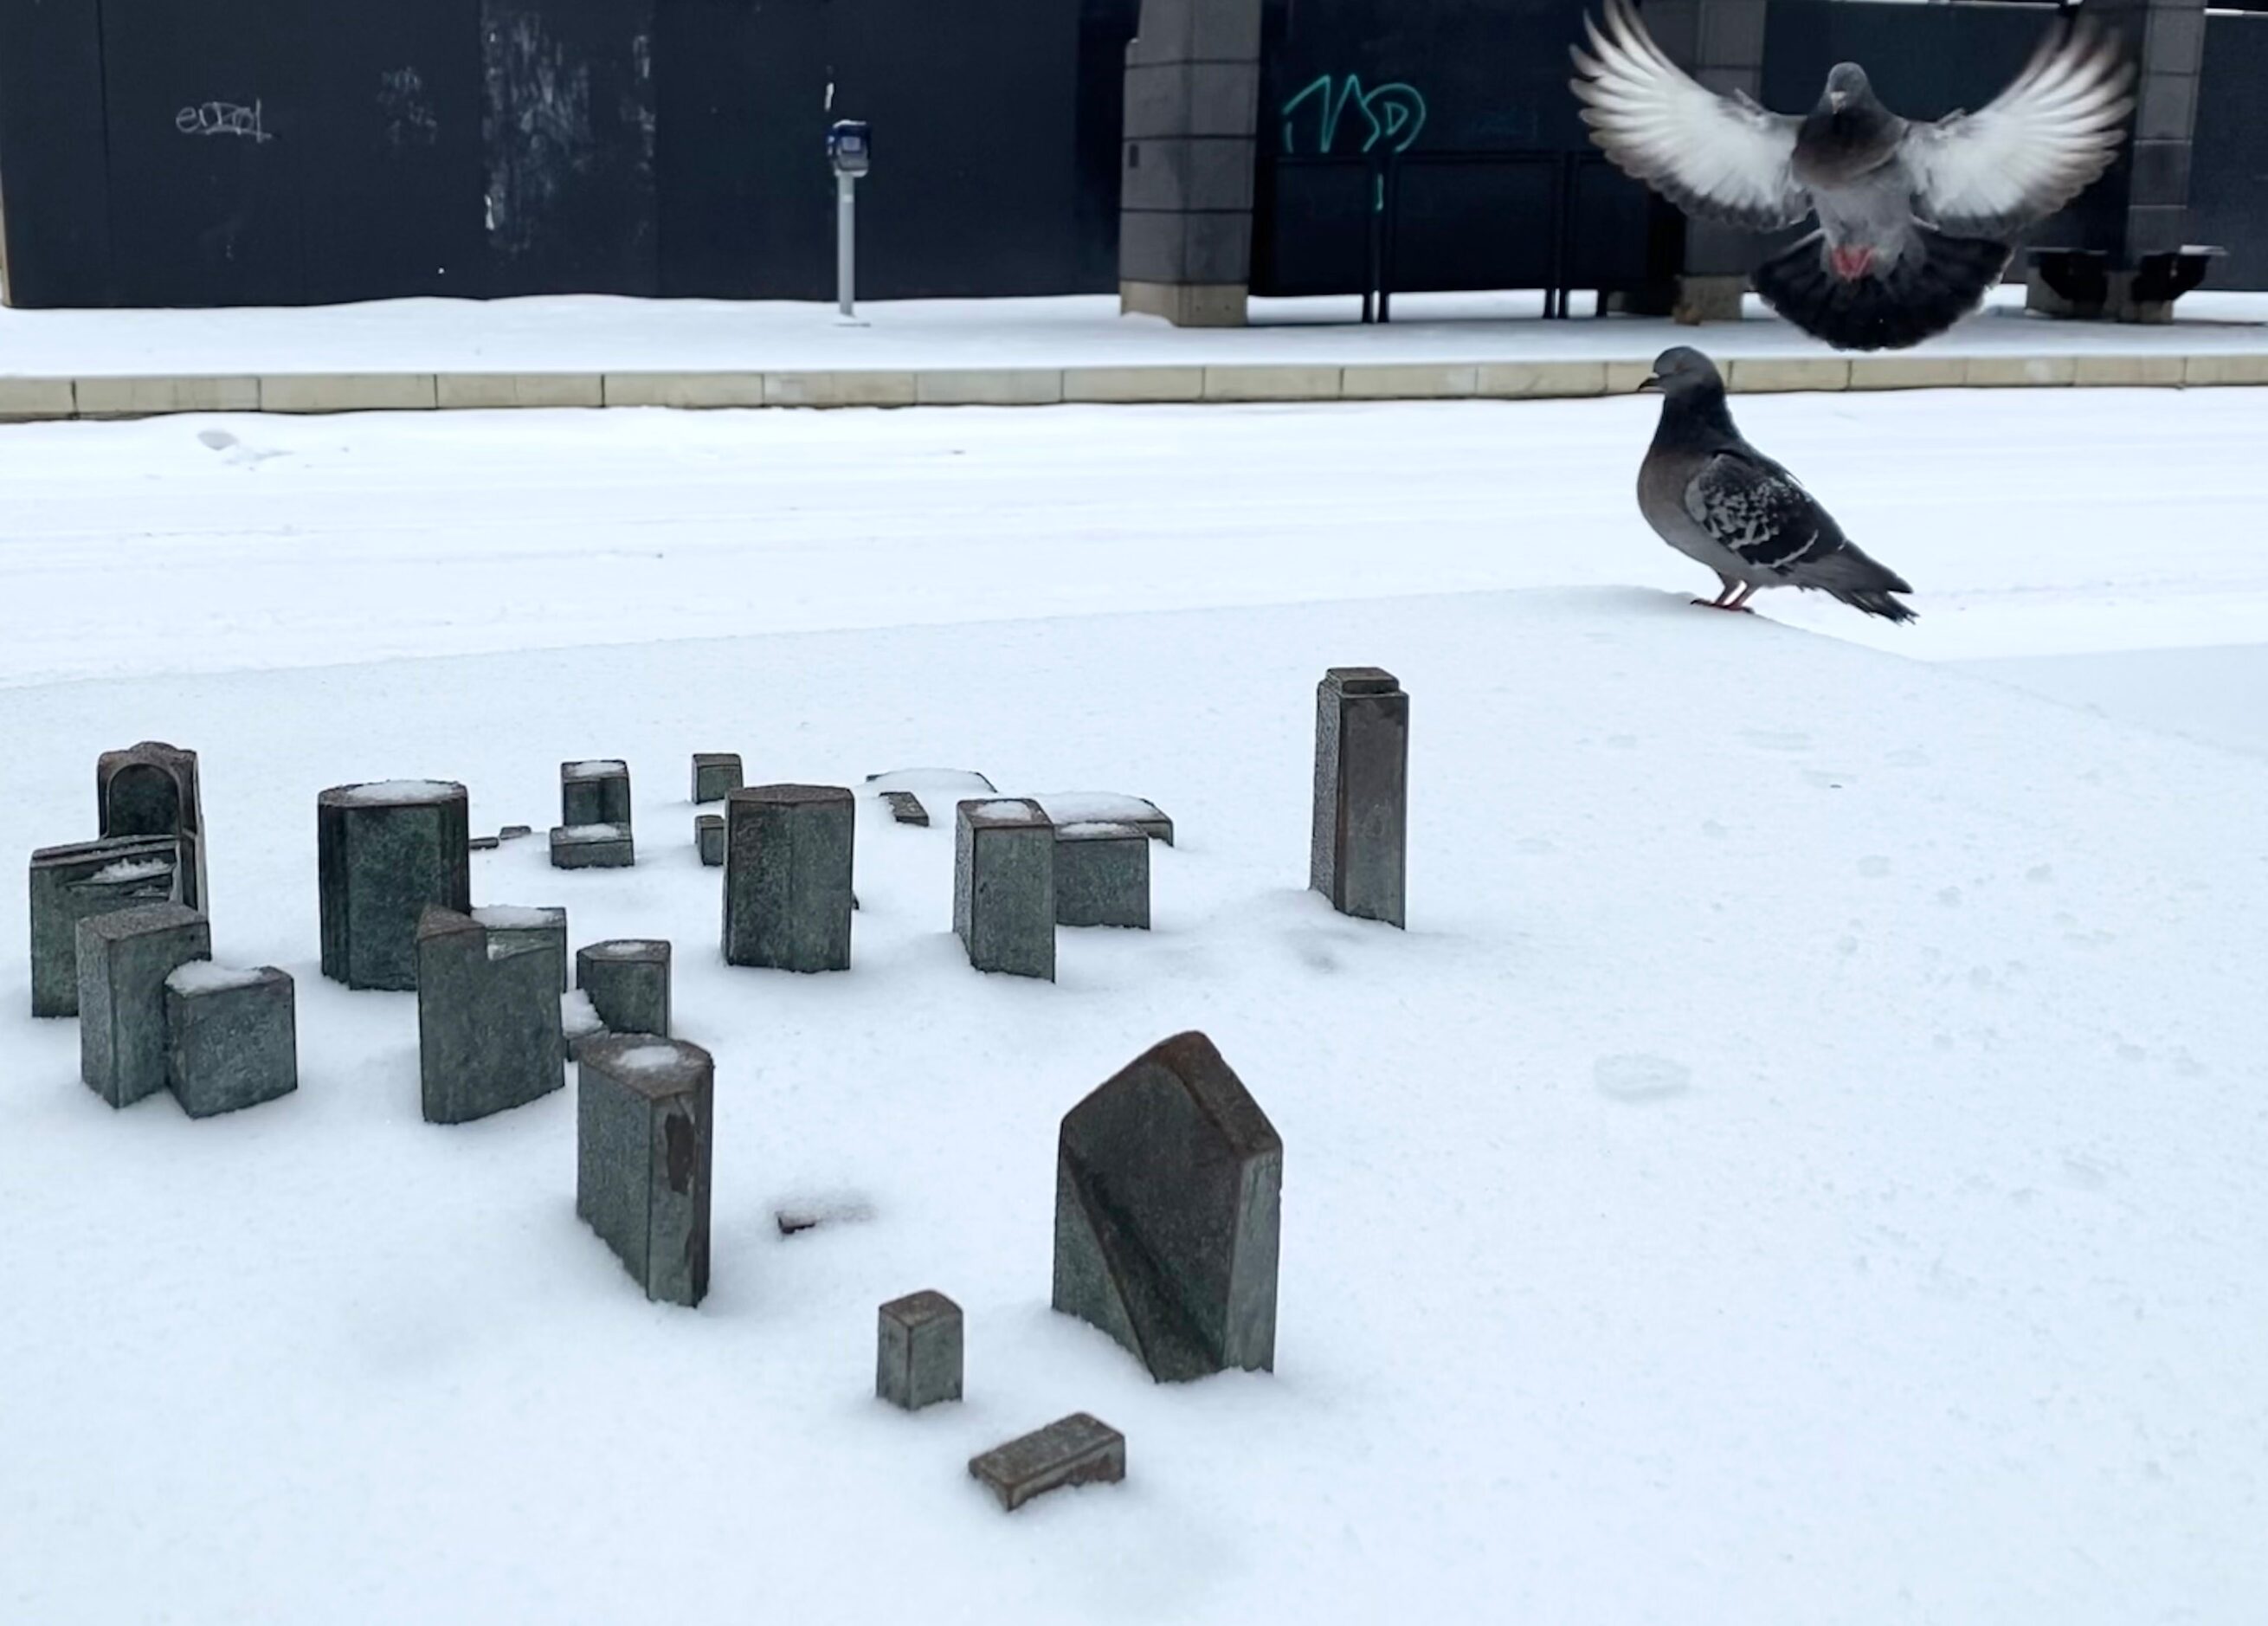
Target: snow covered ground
[592, 334]
[1802, 1165]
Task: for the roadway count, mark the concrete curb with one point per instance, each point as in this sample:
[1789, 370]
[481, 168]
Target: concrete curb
[37, 399]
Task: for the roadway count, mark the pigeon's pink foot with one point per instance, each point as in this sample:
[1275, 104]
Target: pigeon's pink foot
[1719, 604]
[1851, 263]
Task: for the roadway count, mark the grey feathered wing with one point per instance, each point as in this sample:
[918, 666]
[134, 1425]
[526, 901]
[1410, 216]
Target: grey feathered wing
[1758, 511]
[2031, 149]
[1722, 158]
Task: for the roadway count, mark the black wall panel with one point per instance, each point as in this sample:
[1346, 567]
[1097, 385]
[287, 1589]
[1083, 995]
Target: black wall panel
[391, 157]
[1485, 177]
[240, 151]
[209, 111]
[974, 109]
[2228, 172]
[52, 165]
[746, 200]
[569, 131]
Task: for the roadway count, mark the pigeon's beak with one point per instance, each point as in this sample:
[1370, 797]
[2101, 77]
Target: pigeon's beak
[1835, 101]
[1651, 384]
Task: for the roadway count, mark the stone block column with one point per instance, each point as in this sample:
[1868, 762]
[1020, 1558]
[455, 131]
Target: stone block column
[2136, 217]
[1186, 177]
[1357, 852]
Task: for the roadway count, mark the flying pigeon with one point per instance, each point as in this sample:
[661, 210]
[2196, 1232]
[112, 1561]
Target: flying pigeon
[1914, 219]
[1714, 497]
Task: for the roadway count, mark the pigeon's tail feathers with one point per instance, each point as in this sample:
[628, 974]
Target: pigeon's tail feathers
[1937, 282]
[1859, 580]
[1879, 604]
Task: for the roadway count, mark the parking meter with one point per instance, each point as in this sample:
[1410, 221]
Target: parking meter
[849, 150]
[847, 147]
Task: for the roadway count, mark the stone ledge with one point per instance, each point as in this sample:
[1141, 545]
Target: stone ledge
[2130, 370]
[348, 392]
[1907, 372]
[1526, 381]
[1749, 375]
[989, 387]
[684, 389]
[1408, 381]
[38, 399]
[1120, 386]
[2020, 372]
[1277, 381]
[840, 389]
[472, 390]
[2213, 368]
[145, 397]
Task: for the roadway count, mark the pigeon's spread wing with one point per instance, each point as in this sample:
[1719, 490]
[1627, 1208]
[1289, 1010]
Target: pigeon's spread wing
[1719, 157]
[1757, 509]
[2033, 148]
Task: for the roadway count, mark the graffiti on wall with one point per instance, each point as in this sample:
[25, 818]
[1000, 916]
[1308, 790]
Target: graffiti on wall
[1391, 115]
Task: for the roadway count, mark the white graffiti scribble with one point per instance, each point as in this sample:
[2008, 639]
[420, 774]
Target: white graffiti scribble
[223, 118]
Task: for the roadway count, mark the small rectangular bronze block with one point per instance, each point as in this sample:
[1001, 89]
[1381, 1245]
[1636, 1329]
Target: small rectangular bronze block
[1077, 1450]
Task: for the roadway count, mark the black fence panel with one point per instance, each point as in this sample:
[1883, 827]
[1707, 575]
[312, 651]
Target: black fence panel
[1482, 76]
[1314, 220]
[1485, 176]
[208, 114]
[393, 176]
[990, 173]
[568, 129]
[1105, 27]
[51, 153]
[747, 202]
[974, 106]
[277, 152]
[2229, 165]
[1477, 220]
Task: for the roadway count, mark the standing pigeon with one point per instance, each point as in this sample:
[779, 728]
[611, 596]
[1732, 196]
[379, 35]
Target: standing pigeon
[1714, 497]
[1914, 219]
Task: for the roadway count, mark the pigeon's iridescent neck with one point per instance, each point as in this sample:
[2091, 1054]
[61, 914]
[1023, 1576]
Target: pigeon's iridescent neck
[1698, 414]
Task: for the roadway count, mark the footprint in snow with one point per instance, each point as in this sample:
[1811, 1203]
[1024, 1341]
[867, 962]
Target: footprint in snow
[1640, 1078]
[233, 450]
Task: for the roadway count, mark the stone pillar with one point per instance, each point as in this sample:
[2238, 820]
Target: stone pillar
[2139, 209]
[1721, 44]
[1004, 886]
[1168, 1182]
[709, 839]
[74, 884]
[787, 877]
[597, 792]
[538, 928]
[593, 846]
[628, 981]
[232, 1036]
[716, 775]
[1102, 875]
[150, 789]
[383, 853]
[917, 1351]
[1356, 853]
[124, 958]
[489, 1035]
[644, 1110]
[1186, 178]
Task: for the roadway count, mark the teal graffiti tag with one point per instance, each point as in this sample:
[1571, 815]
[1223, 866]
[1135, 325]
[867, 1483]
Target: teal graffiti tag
[1394, 113]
